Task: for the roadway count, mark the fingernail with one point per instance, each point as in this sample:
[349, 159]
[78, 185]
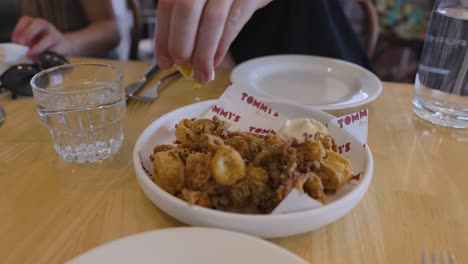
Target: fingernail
[212, 75]
[199, 76]
[164, 62]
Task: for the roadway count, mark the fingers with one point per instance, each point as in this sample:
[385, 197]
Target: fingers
[185, 19]
[199, 32]
[43, 44]
[32, 31]
[209, 34]
[22, 24]
[37, 27]
[240, 13]
[163, 14]
[36, 33]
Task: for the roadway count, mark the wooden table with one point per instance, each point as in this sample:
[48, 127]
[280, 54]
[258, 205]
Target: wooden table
[52, 210]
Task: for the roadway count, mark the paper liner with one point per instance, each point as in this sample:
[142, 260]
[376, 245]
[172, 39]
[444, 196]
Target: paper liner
[246, 110]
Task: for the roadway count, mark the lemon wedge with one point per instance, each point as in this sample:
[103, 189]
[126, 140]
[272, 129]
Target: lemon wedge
[187, 72]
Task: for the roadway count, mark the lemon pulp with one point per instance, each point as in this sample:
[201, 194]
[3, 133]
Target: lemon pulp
[187, 72]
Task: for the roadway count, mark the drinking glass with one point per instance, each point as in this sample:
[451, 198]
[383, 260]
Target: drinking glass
[441, 86]
[83, 106]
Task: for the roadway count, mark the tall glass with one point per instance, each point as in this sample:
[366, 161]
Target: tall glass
[441, 86]
[83, 106]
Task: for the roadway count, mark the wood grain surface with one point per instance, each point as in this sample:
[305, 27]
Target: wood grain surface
[52, 210]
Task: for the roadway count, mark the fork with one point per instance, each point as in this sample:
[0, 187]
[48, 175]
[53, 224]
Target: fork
[437, 257]
[151, 94]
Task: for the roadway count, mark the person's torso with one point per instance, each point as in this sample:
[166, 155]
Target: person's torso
[9, 13]
[76, 16]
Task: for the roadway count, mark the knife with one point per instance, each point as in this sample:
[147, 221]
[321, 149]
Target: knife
[133, 88]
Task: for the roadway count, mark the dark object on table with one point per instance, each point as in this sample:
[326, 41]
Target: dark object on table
[17, 78]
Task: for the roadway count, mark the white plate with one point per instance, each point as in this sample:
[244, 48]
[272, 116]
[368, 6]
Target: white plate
[188, 245]
[161, 131]
[325, 83]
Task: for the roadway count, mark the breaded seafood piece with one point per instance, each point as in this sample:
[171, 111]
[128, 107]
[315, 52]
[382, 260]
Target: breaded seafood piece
[196, 198]
[314, 188]
[328, 141]
[279, 161]
[239, 144]
[268, 199]
[240, 194]
[227, 166]
[257, 174]
[169, 171]
[191, 133]
[197, 170]
[213, 142]
[272, 139]
[311, 150]
[183, 131]
[214, 126]
[247, 144]
[335, 171]
[244, 194]
[161, 148]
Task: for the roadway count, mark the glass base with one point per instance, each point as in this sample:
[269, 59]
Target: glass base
[439, 117]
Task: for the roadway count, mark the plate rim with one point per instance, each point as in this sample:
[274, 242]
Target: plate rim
[361, 185]
[217, 231]
[237, 78]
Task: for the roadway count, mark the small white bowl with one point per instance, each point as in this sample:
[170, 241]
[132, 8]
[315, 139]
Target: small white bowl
[267, 226]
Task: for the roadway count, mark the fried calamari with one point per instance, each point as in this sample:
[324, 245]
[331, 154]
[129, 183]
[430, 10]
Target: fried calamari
[245, 172]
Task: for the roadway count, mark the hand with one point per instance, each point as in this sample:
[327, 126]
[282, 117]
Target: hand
[40, 35]
[199, 32]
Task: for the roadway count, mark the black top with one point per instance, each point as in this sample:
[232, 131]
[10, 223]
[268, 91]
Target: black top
[313, 27]
[9, 13]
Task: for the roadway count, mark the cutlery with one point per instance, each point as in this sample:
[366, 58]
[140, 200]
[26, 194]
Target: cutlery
[151, 94]
[2, 115]
[438, 257]
[133, 88]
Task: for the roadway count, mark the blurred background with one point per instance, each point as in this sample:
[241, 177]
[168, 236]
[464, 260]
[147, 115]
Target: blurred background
[391, 31]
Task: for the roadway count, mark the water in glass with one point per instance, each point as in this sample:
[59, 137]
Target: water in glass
[441, 86]
[86, 134]
[85, 118]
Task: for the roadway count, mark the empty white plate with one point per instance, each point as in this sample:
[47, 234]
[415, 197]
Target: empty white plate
[325, 83]
[194, 245]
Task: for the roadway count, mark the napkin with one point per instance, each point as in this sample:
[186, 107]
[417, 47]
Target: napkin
[12, 54]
